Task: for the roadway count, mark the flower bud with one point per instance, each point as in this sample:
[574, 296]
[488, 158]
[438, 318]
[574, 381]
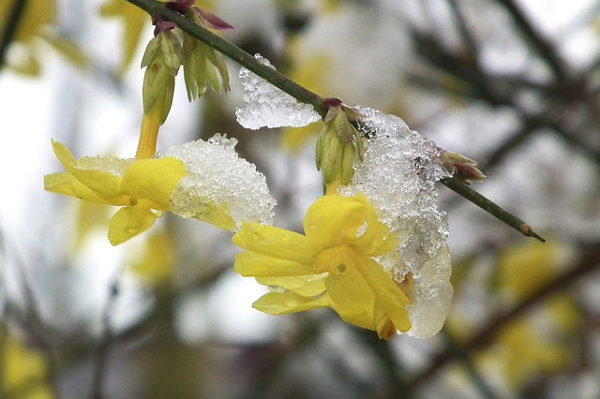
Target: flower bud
[464, 168]
[339, 144]
[162, 59]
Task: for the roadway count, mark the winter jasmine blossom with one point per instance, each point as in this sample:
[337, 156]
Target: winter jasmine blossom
[331, 265]
[202, 180]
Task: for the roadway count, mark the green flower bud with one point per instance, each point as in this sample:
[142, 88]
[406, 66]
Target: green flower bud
[162, 58]
[339, 146]
[202, 68]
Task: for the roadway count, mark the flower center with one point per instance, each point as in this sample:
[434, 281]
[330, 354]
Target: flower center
[336, 259]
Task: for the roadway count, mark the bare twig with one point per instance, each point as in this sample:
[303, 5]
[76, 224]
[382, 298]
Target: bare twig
[103, 349]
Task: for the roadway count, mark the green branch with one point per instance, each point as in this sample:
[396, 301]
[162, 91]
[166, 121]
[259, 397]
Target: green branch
[233, 52]
[155, 8]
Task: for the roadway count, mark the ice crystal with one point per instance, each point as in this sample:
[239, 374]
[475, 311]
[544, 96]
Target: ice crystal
[398, 175]
[216, 176]
[267, 106]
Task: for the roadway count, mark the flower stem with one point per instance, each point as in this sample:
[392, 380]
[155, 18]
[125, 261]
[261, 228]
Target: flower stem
[304, 95]
[148, 134]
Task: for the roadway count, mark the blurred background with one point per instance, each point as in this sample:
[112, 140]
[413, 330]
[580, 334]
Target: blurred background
[513, 84]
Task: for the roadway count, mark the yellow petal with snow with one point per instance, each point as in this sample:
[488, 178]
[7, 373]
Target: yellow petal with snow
[65, 183]
[302, 285]
[105, 184]
[130, 221]
[277, 303]
[217, 215]
[274, 242]
[258, 265]
[153, 179]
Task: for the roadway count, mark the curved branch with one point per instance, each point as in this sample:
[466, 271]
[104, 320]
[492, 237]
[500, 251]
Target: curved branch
[304, 95]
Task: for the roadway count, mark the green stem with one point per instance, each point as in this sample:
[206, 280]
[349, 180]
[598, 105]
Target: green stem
[491, 207]
[301, 94]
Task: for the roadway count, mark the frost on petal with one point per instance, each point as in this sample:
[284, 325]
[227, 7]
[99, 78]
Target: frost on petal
[113, 165]
[398, 176]
[217, 180]
[267, 106]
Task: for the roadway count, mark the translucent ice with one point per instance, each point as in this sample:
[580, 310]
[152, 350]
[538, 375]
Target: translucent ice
[267, 106]
[398, 175]
[217, 178]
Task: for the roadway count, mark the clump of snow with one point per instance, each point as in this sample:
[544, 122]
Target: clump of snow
[216, 176]
[398, 175]
[267, 106]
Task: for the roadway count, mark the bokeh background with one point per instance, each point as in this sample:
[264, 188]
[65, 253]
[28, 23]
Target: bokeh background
[513, 84]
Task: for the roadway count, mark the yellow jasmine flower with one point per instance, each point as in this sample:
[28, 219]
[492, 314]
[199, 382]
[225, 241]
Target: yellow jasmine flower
[142, 187]
[204, 180]
[331, 265]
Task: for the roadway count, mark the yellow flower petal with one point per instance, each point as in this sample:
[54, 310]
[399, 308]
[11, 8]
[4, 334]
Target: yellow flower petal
[333, 219]
[153, 179]
[274, 242]
[217, 215]
[130, 221]
[105, 184]
[277, 303]
[258, 265]
[302, 285]
[351, 297]
[65, 183]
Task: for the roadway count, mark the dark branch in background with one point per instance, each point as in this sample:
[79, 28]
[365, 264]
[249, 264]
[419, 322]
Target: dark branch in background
[10, 28]
[588, 262]
[31, 320]
[103, 350]
[303, 95]
[536, 40]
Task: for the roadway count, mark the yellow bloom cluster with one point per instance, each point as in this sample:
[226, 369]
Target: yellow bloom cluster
[331, 265]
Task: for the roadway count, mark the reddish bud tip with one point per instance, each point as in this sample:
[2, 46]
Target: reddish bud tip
[331, 102]
[161, 25]
[211, 20]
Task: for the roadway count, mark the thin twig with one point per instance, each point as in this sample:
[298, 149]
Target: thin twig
[303, 95]
[106, 340]
[490, 207]
[587, 263]
[10, 29]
